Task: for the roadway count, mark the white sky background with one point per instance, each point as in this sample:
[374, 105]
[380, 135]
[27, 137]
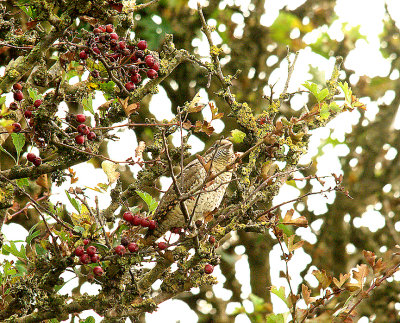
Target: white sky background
[368, 14]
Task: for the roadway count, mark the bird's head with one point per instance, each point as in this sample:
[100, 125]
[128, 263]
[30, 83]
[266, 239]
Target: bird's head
[221, 153]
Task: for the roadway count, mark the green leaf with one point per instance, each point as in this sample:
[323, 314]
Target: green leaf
[87, 104]
[12, 249]
[89, 319]
[21, 182]
[334, 107]
[151, 203]
[74, 202]
[19, 142]
[33, 94]
[5, 151]
[322, 95]
[347, 92]
[32, 234]
[280, 293]
[313, 88]
[2, 100]
[275, 318]
[237, 136]
[324, 111]
[79, 229]
[40, 251]
[256, 300]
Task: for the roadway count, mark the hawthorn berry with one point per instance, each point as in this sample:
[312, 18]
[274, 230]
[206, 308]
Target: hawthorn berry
[152, 74]
[31, 157]
[142, 45]
[136, 220]
[130, 86]
[96, 50]
[84, 259]
[114, 36]
[81, 118]
[37, 103]
[133, 69]
[109, 28]
[162, 245]
[211, 239]
[16, 127]
[145, 222]
[37, 162]
[122, 45]
[149, 60]
[139, 54]
[208, 269]
[17, 87]
[83, 129]
[95, 259]
[176, 230]
[28, 114]
[13, 106]
[133, 247]
[152, 224]
[91, 136]
[86, 242]
[98, 271]
[102, 28]
[18, 95]
[198, 223]
[136, 78]
[128, 216]
[91, 250]
[83, 55]
[79, 251]
[80, 139]
[97, 31]
[120, 250]
[126, 52]
[155, 66]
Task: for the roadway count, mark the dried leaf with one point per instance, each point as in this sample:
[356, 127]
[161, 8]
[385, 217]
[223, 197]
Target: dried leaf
[42, 181]
[186, 125]
[342, 279]
[214, 112]
[140, 149]
[110, 169]
[369, 257]
[204, 126]
[298, 222]
[90, 20]
[305, 291]
[194, 106]
[360, 274]
[292, 247]
[379, 266]
[323, 278]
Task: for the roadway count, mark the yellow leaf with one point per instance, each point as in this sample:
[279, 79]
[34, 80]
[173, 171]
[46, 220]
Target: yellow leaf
[109, 169]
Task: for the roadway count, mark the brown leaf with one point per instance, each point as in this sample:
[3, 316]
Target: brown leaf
[31, 24]
[186, 125]
[139, 149]
[323, 278]
[342, 279]
[204, 126]
[379, 266]
[117, 6]
[105, 106]
[298, 222]
[214, 112]
[360, 274]
[42, 181]
[90, 20]
[292, 247]
[305, 291]
[369, 257]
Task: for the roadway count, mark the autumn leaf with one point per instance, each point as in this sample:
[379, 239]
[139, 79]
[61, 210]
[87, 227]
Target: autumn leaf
[204, 126]
[140, 149]
[214, 112]
[109, 169]
[292, 247]
[342, 279]
[323, 278]
[298, 222]
[42, 181]
[128, 108]
[369, 257]
[360, 274]
[186, 125]
[306, 293]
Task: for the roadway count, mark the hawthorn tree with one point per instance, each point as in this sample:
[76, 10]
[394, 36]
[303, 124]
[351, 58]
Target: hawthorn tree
[119, 50]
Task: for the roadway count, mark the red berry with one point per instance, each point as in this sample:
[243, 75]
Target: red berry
[136, 78]
[86, 242]
[155, 66]
[113, 44]
[114, 36]
[13, 106]
[95, 259]
[152, 74]
[152, 224]
[133, 69]
[83, 129]
[133, 247]
[126, 52]
[79, 251]
[80, 118]
[162, 245]
[176, 230]
[80, 139]
[124, 241]
[96, 50]
[102, 28]
[91, 250]
[139, 54]
[211, 239]
[208, 269]
[91, 135]
[16, 127]
[37, 103]
[17, 87]
[83, 55]
[120, 250]
[31, 157]
[128, 216]
[85, 259]
[97, 31]
[142, 45]
[37, 161]
[136, 220]
[130, 86]
[149, 60]
[122, 45]
[18, 96]
[98, 271]
[28, 114]
[109, 28]
[145, 222]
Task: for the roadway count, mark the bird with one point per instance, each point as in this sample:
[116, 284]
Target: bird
[208, 197]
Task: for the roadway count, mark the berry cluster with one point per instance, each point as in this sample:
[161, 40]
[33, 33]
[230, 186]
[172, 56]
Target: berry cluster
[128, 60]
[83, 130]
[36, 160]
[88, 256]
[126, 244]
[136, 220]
